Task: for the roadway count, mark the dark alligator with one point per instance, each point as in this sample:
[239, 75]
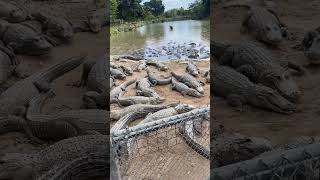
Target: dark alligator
[33, 166]
[190, 81]
[23, 39]
[263, 22]
[156, 80]
[311, 46]
[184, 89]
[8, 62]
[259, 65]
[94, 77]
[58, 29]
[94, 21]
[115, 92]
[238, 89]
[13, 12]
[117, 114]
[16, 98]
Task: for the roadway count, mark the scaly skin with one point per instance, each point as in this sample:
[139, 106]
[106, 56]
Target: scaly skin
[311, 46]
[32, 166]
[17, 97]
[12, 12]
[117, 74]
[258, 65]
[144, 88]
[127, 70]
[230, 84]
[192, 69]
[160, 66]
[115, 92]
[190, 81]
[184, 89]
[7, 63]
[117, 114]
[131, 100]
[155, 80]
[94, 21]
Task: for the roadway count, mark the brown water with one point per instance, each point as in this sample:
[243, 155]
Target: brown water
[159, 34]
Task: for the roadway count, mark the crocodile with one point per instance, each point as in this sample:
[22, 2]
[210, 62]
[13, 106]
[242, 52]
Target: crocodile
[94, 21]
[259, 65]
[112, 82]
[33, 166]
[16, 98]
[192, 69]
[156, 80]
[8, 63]
[160, 66]
[263, 22]
[126, 70]
[239, 90]
[228, 147]
[117, 74]
[130, 57]
[95, 79]
[115, 92]
[12, 12]
[117, 114]
[143, 87]
[23, 39]
[207, 76]
[141, 66]
[65, 124]
[311, 46]
[171, 111]
[58, 29]
[184, 89]
[124, 121]
[130, 100]
[189, 80]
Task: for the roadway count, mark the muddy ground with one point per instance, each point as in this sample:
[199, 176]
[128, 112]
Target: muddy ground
[67, 95]
[299, 16]
[175, 159]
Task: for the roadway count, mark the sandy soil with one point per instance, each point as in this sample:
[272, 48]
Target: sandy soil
[299, 17]
[174, 160]
[67, 95]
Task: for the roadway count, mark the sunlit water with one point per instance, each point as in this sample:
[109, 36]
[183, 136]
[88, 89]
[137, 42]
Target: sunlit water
[159, 39]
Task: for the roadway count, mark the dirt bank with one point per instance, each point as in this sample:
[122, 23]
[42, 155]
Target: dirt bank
[300, 17]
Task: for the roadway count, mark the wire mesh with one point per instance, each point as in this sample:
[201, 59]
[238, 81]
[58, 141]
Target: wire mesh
[169, 148]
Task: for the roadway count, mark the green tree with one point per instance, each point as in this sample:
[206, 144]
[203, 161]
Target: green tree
[156, 7]
[130, 9]
[114, 9]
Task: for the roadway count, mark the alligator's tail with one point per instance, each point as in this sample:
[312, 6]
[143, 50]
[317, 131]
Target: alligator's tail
[55, 71]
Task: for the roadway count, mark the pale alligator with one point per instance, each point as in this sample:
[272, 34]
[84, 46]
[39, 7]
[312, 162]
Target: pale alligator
[95, 78]
[117, 74]
[117, 114]
[131, 100]
[262, 21]
[156, 80]
[239, 90]
[143, 87]
[192, 69]
[58, 29]
[160, 66]
[16, 98]
[184, 89]
[141, 66]
[190, 81]
[311, 46]
[33, 166]
[115, 92]
[126, 70]
[23, 39]
[94, 21]
[228, 147]
[259, 65]
[12, 12]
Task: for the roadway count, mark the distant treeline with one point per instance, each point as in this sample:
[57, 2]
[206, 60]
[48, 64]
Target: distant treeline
[134, 10]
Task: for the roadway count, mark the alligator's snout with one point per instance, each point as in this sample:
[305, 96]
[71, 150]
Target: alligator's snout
[273, 34]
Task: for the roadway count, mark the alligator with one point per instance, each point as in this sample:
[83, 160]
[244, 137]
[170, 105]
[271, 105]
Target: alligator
[228, 147]
[33, 166]
[143, 87]
[117, 114]
[117, 74]
[8, 63]
[184, 89]
[259, 65]
[263, 22]
[141, 66]
[16, 98]
[130, 57]
[23, 39]
[115, 92]
[112, 82]
[239, 90]
[207, 76]
[171, 111]
[124, 121]
[94, 21]
[160, 66]
[12, 12]
[131, 100]
[95, 78]
[190, 81]
[58, 29]
[311, 46]
[126, 70]
[156, 80]
[192, 69]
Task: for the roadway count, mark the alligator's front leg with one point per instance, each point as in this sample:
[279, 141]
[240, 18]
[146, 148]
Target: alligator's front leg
[227, 57]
